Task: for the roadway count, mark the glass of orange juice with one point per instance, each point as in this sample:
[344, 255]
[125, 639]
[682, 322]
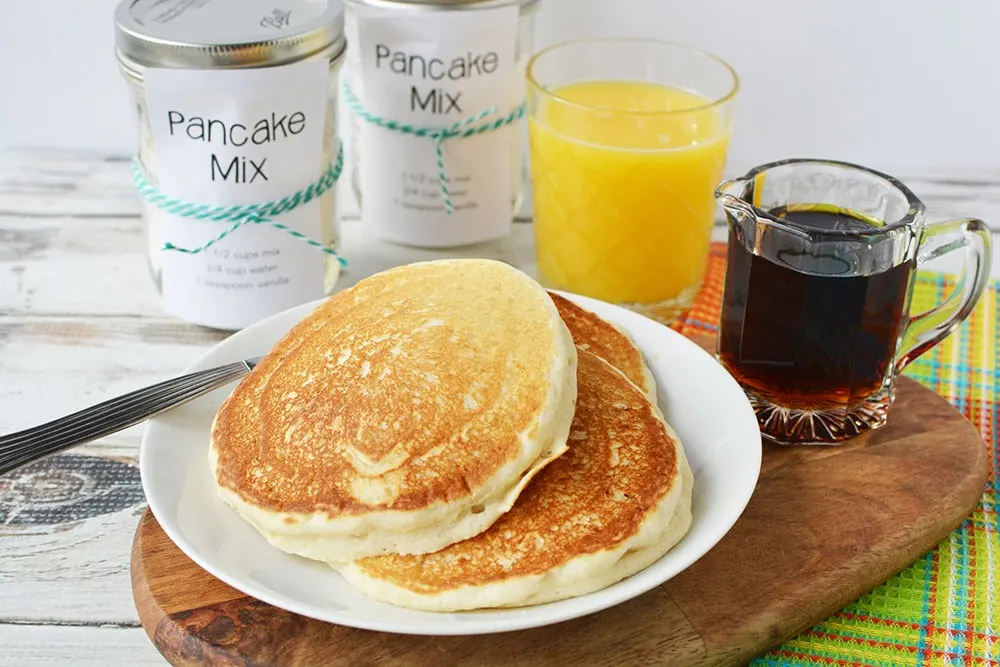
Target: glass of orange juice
[628, 142]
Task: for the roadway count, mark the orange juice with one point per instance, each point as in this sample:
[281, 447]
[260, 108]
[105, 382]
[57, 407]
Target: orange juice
[623, 175]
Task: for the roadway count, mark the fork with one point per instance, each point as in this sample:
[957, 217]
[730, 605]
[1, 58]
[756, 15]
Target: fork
[116, 414]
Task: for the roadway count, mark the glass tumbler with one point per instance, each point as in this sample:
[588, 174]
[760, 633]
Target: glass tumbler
[628, 139]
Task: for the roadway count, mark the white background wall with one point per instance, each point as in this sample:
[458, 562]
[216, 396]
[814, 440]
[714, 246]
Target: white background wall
[896, 84]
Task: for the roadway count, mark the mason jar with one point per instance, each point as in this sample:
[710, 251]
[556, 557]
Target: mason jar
[396, 177]
[235, 104]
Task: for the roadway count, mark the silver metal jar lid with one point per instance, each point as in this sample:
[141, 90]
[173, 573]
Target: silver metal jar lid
[444, 4]
[208, 34]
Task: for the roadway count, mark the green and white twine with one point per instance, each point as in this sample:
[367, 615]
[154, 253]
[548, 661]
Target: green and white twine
[240, 215]
[458, 130]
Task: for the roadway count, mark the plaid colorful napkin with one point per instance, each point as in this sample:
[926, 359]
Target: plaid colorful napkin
[942, 609]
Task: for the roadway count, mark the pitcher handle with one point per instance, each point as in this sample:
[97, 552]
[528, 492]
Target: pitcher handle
[940, 238]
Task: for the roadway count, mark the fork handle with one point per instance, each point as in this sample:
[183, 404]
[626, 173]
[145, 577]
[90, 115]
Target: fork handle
[116, 414]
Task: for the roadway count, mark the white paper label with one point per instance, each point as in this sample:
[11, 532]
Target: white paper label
[226, 137]
[432, 69]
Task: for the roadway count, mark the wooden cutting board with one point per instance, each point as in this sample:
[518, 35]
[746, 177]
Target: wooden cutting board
[825, 526]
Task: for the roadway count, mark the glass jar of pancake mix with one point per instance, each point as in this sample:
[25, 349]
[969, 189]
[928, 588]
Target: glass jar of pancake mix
[436, 88]
[235, 103]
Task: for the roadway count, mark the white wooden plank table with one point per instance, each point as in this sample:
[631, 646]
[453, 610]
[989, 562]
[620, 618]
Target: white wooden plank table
[80, 321]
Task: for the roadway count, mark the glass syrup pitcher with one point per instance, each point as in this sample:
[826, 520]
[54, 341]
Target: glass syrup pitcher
[816, 321]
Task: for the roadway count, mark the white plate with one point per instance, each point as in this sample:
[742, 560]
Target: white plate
[700, 400]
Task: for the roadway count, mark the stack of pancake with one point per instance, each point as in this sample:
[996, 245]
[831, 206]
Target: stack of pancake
[449, 436]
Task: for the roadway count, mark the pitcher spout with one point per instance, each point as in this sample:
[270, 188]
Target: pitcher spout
[733, 187]
[730, 195]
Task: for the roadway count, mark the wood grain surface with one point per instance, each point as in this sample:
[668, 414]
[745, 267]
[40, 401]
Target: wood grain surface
[825, 525]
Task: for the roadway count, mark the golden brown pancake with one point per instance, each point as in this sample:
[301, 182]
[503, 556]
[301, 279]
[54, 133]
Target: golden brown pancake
[402, 415]
[594, 334]
[609, 507]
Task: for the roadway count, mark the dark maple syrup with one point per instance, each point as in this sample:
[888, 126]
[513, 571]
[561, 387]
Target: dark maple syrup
[811, 342]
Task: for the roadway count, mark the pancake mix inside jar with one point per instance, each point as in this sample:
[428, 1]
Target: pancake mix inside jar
[437, 91]
[238, 156]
